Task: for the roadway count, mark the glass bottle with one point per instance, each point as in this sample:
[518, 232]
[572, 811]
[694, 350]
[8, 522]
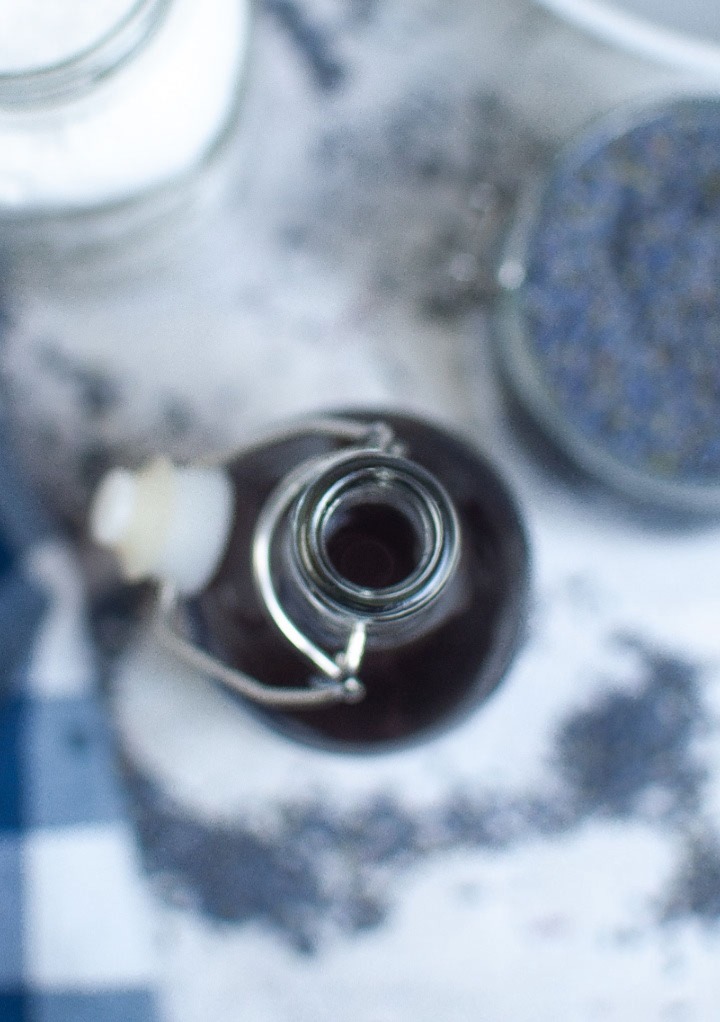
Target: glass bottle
[359, 578]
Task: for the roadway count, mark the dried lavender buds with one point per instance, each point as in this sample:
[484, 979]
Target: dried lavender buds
[620, 300]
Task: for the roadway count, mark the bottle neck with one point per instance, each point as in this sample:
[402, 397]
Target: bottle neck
[373, 541]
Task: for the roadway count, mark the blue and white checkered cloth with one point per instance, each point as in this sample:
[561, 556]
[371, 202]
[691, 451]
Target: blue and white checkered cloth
[75, 931]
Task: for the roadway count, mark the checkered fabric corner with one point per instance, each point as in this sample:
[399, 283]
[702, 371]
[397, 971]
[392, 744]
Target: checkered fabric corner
[74, 923]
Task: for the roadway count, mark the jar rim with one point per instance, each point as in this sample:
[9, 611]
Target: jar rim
[76, 74]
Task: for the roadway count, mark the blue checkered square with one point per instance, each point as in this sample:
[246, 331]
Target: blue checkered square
[11, 962]
[12, 716]
[68, 768]
[120, 1006]
[21, 608]
[13, 1007]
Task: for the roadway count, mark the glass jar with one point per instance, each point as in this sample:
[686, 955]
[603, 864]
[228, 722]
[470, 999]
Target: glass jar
[99, 110]
[117, 124]
[610, 315]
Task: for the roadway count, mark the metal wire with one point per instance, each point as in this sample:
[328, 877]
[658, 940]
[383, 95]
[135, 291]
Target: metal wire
[325, 692]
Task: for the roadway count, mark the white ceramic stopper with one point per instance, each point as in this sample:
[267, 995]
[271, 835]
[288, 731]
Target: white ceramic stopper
[165, 522]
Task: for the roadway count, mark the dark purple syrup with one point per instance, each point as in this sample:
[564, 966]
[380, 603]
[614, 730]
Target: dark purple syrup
[373, 546]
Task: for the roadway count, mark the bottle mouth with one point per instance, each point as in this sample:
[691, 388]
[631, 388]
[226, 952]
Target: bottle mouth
[58, 62]
[371, 544]
[376, 536]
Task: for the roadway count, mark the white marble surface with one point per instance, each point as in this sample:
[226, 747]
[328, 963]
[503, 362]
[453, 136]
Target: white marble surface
[557, 856]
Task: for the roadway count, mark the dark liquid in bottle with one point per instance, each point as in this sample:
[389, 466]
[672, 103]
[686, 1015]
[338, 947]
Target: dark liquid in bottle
[374, 546]
[415, 687]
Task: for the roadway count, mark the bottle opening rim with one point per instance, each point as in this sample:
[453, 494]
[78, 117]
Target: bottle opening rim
[388, 510]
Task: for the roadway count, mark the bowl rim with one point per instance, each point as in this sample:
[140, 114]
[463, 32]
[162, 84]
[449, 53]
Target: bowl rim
[640, 35]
